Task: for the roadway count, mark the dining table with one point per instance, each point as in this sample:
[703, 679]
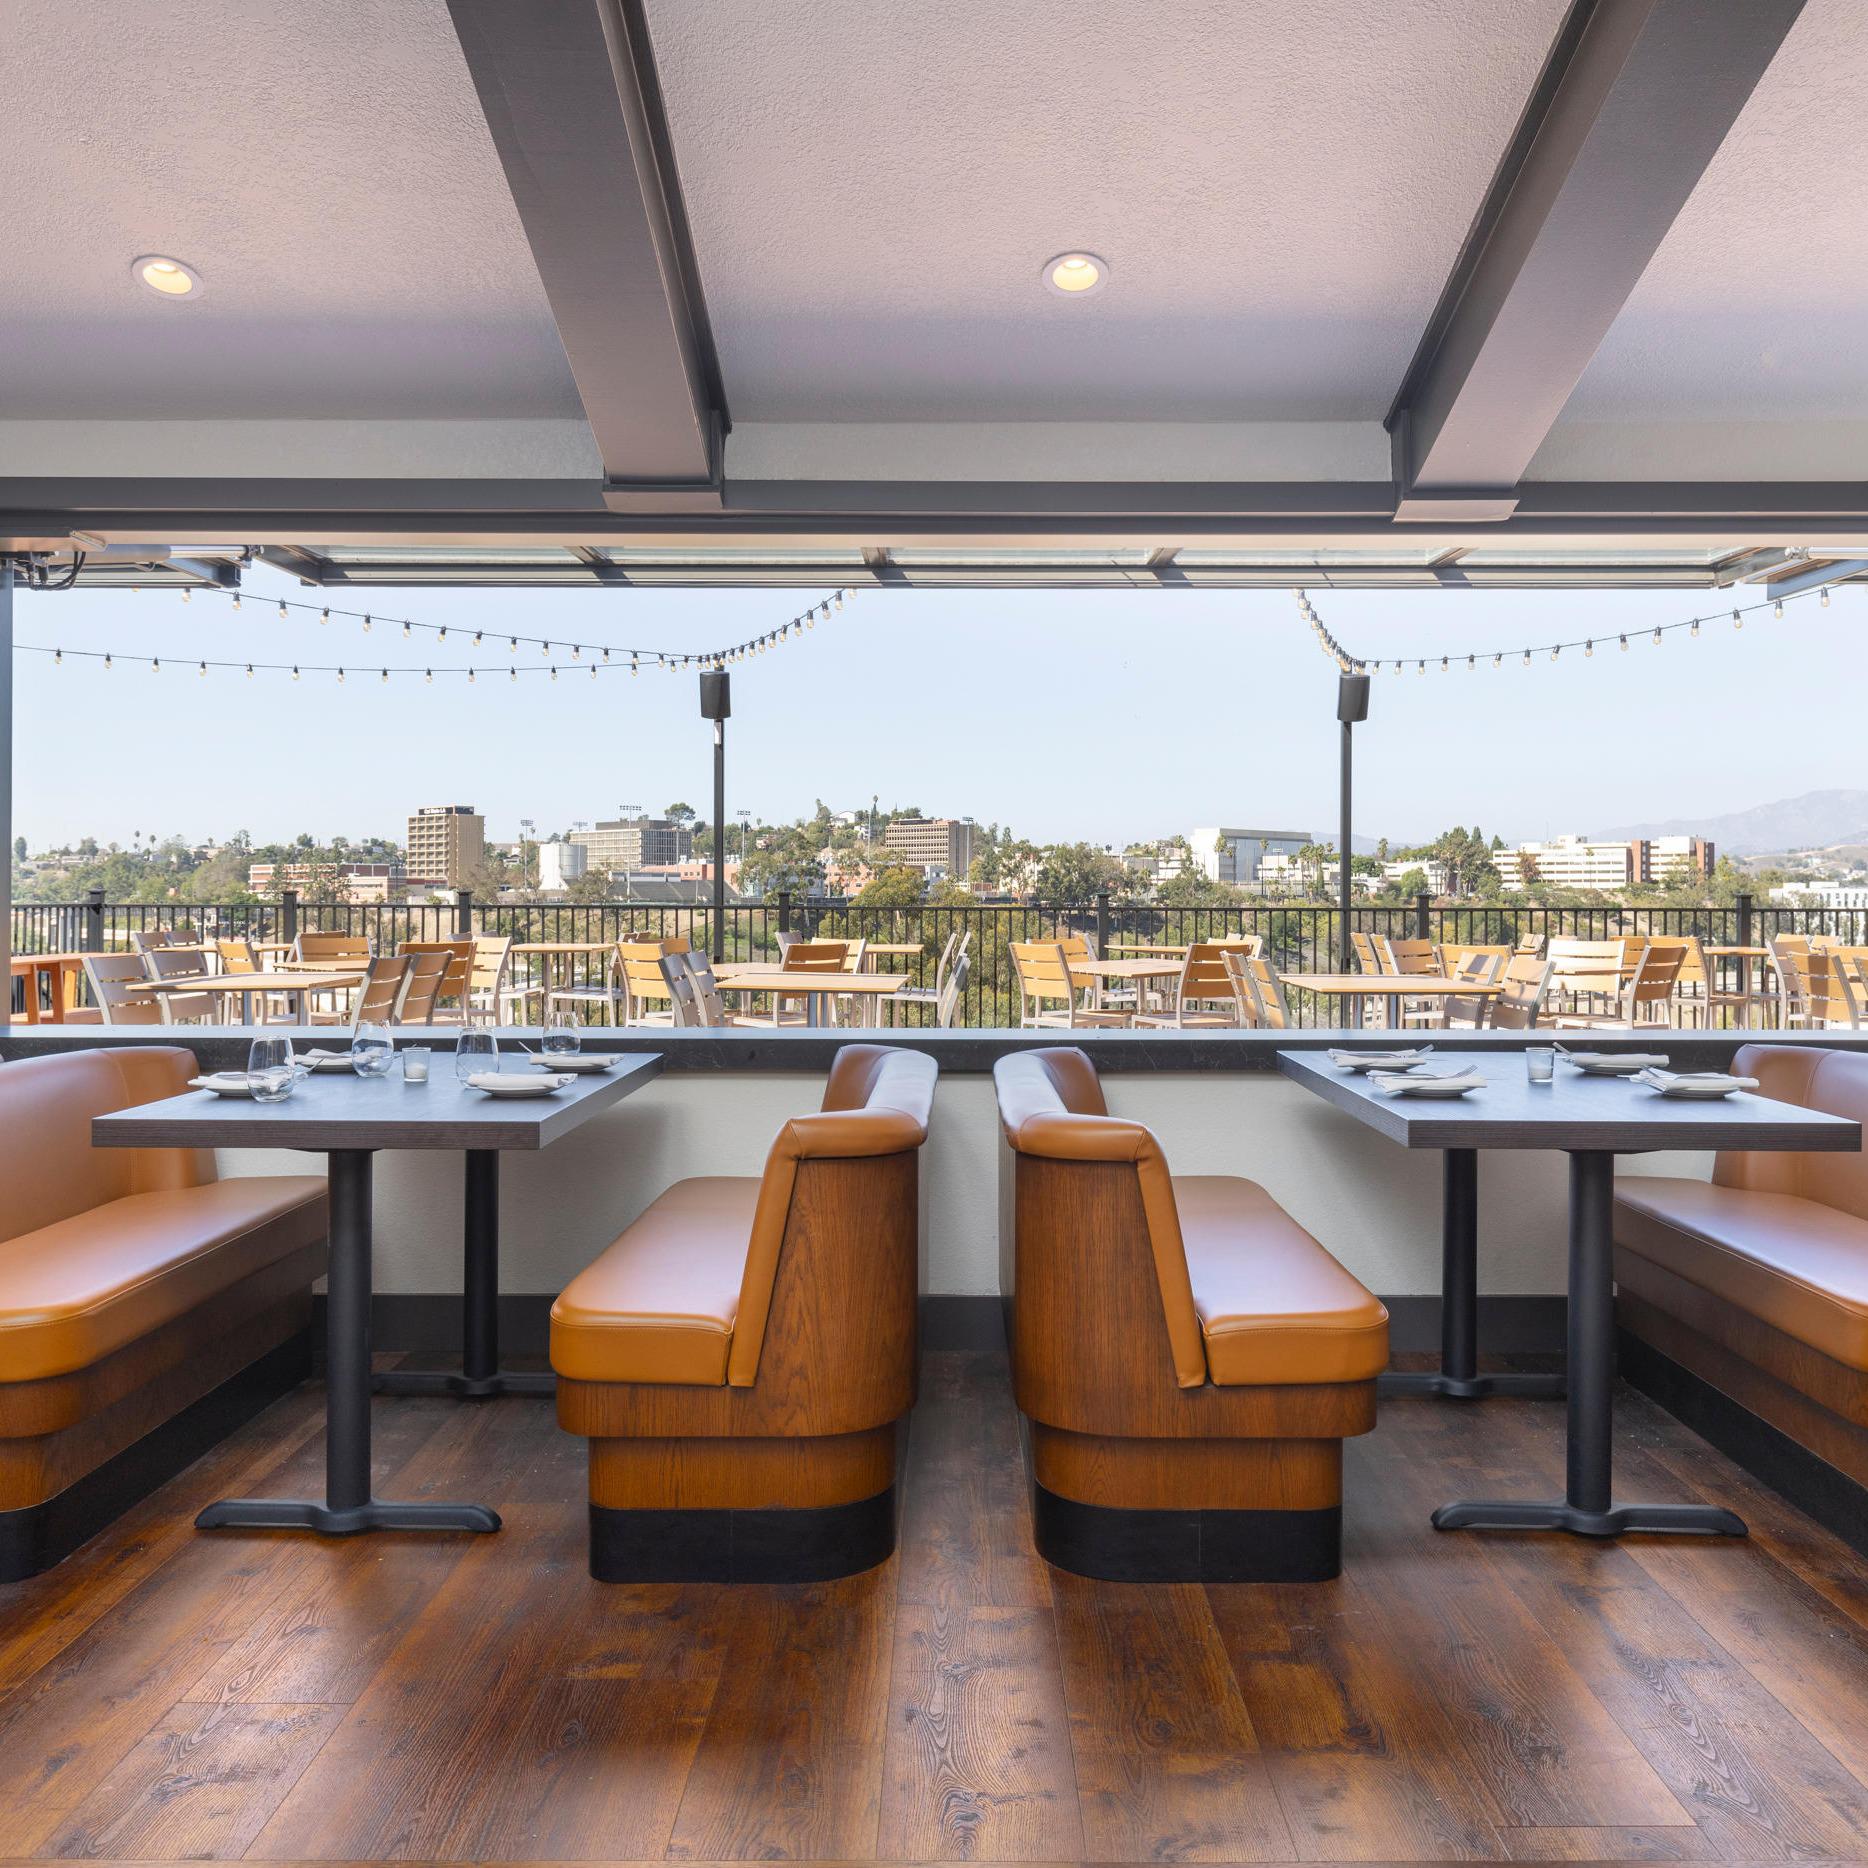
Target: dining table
[52, 983]
[1591, 1119]
[891, 950]
[1748, 957]
[350, 1120]
[816, 988]
[1356, 989]
[294, 983]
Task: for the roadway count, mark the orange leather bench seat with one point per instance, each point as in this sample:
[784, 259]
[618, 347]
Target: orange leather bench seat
[81, 1288]
[1274, 1306]
[1796, 1264]
[660, 1304]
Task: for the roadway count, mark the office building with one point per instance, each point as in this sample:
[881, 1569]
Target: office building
[448, 841]
[620, 843]
[1227, 855]
[939, 846]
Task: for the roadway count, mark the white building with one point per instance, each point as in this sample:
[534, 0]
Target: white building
[1223, 854]
[560, 863]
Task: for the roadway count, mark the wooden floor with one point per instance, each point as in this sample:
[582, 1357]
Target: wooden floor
[168, 1694]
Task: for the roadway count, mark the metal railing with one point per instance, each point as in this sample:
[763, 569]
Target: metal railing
[1299, 937]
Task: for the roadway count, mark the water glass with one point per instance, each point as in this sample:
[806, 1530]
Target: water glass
[474, 1052]
[415, 1064]
[1540, 1063]
[371, 1050]
[270, 1075]
[561, 1033]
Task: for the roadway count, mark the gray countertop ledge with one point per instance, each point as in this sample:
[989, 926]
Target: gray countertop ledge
[223, 1048]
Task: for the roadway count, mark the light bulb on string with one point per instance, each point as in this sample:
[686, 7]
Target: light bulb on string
[236, 602]
[476, 638]
[202, 670]
[155, 664]
[1777, 610]
[324, 615]
[470, 677]
[428, 674]
[1527, 658]
[366, 625]
[1657, 638]
[441, 635]
[554, 674]
[187, 594]
[512, 674]
[282, 615]
[1624, 641]
[407, 631]
[1693, 627]
[385, 674]
[1738, 619]
[1589, 647]
[58, 658]
[512, 646]
[1556, 651]
[340, 677]
[249, 671]
[108, 663]
[294, 671]
[1824, 599]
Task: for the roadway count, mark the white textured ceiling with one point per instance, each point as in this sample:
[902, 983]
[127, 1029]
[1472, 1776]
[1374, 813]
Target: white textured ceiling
[1752, 311]
[325, 165]
[1280, 187]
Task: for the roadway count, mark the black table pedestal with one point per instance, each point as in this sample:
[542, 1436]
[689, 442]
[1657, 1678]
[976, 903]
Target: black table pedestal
[348, 1506]
[1458, 1378]
[1587, 1508]
[480, 1376]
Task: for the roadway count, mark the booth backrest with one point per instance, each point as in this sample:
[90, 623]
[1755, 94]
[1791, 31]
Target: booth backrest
[876, 1103]
[48, 1169]
[1051, 1108]
[1834, 1081]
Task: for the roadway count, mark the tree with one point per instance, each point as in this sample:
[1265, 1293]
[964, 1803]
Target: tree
[19, 849]
[681, 815]
[1466, 858]
[1194, 888]
[893, 885]
[1079, 872]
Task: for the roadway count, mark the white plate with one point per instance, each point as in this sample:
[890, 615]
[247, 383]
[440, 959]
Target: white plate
[585, 1063]
[517, 1083]
[1613, 1063]
[330, 1062]
[1380, 1060]
[1393, 1084]
[1696, 1086]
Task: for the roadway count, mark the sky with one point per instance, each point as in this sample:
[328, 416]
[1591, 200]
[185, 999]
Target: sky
[1105, 716]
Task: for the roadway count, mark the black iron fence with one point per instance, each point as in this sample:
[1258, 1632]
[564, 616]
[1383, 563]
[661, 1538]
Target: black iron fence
[1298, 937]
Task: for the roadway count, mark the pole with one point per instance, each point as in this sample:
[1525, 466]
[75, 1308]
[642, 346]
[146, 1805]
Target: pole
[1342, 853]
[719, 842]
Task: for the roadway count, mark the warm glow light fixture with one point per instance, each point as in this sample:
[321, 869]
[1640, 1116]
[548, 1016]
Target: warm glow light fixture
[167, 278]
[1074, 275]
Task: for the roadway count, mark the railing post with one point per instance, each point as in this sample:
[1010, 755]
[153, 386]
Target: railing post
[288, 914]
[1102, 923]
[1423, 917]
[93, 929]
[463, 913]
[784, 911]
[1744, 921]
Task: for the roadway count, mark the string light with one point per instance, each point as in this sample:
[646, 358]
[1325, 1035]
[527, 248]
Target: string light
[1777, 610]
[324, 615]
[282, 610]
[1738, 619]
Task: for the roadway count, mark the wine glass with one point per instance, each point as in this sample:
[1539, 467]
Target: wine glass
[270, 1075]
[371, 1049]
[561, 1033]
[474, 1052]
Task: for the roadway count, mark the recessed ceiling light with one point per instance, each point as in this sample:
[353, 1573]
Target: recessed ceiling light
[1072, 275]
[167, 278]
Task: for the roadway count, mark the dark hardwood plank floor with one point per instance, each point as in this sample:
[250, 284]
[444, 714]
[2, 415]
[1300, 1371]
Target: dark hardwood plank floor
[167, 1695]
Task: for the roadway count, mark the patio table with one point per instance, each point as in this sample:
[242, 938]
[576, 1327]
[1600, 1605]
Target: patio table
[1394, 987]
[350, 1119]
[62, 970]
[891, 950]
[1591, 1119]
[294, 982]
[814, 988]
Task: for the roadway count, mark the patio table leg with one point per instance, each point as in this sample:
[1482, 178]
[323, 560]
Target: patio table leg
[348, 1506]
[1458, 1378]
[1587, 1507]
[481, 1376]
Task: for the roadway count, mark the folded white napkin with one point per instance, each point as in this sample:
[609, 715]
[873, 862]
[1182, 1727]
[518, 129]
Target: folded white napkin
[1376, 1060]
[229, 1079]
[497, 1079]
[1394, 1083]
[1680, 1082]
[1647, 1060]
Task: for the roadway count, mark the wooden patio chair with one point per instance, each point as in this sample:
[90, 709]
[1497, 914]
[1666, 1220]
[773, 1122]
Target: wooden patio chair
[1050, 994]
[451, 1002]
[107, 974]
[1204, 981]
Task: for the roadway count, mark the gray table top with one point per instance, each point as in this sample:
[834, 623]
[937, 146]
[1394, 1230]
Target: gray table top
[1575, 1112]
[343, 1111]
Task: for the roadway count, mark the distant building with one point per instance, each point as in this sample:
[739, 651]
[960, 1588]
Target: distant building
[939, 846]
[1227, 855]
[446, 840]
[560, 863]
[1824, 895]
[1609, 866]
[356, 882]
[619, 843]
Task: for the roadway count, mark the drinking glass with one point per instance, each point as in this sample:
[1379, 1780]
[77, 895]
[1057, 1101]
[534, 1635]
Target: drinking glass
[1540, 1063]
[269, 1072]
[475, 1051]
[415, 1064]
[561, 1033]
[371, 1049]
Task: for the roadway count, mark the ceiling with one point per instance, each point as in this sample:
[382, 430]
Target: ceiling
[1569, 291]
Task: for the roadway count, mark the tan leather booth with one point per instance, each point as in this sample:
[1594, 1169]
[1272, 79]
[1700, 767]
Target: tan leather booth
[741, 1357]
[1189, 1358]
[1743, 1301]
[146, 1306]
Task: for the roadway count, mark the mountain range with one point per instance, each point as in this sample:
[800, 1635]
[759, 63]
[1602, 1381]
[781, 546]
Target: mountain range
[1815, 820]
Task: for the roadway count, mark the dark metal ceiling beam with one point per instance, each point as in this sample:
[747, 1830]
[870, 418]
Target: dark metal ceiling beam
[1633, 103]
[569, 92]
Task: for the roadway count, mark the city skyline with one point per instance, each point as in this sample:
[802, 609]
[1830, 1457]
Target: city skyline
[927, 697]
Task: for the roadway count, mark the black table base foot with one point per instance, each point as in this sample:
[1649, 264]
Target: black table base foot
[1526, 1515]
[462, 1387]
[380, 1514]
[1399, 1382]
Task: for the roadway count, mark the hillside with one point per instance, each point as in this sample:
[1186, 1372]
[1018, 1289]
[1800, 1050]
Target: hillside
[1812, 821]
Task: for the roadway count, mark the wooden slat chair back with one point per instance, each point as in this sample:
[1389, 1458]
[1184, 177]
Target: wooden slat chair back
[107, 975]
[646, 999]
[947, 1006]
[1050, 991]
[457, 981]
[1362, 945]
[684, 995]
[1205, 994]
[1526, 986]
[1586, 970]
[1790, 956]
[1832, 987]
[818, 956]
[1455, 954]
[1648, 998]
[380, 1000]
[338, 952]
[1468, 1011]
[147, 940]
[1256, 979]
[1406, 956]
[426, 979]
[176, 963]
[236, 956]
